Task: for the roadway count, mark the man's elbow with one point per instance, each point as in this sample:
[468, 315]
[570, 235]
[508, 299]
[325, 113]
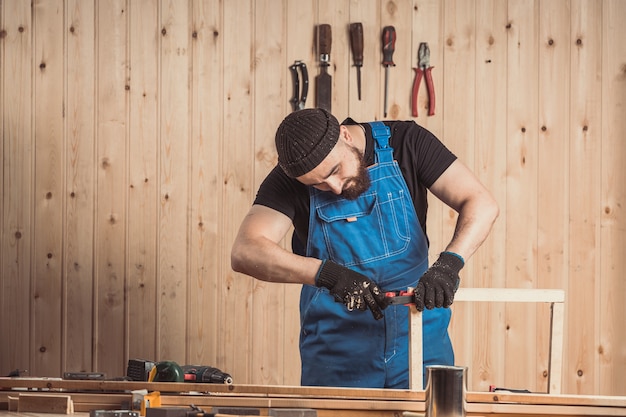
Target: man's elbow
[237, 257]
[491, 209]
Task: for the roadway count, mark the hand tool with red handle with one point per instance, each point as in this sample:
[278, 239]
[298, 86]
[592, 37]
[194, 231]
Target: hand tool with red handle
[323, 82]
[423, 70]
[406, 298]
[356, 42]
[389, 45]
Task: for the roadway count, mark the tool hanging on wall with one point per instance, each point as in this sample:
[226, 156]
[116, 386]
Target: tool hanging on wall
[298, 100]
[323, 82]
[389, 45]
[356, 42]
[424, 69]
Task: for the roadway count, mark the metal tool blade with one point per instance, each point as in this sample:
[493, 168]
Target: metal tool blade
[323, 90]
[323, 82]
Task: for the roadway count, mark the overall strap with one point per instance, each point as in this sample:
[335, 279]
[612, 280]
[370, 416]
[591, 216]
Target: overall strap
[381, 134]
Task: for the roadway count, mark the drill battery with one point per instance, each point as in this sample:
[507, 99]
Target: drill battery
[139, 369]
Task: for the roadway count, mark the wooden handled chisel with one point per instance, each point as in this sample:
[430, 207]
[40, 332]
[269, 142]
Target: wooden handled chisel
[323, 81]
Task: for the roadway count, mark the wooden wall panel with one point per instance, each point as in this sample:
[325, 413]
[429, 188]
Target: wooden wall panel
[174, 175]
[487, 322]
[367, 12]
[49, 181]
[335, 13]
[110, 299]
[552, 163]
[610, 316]
[135, 135]
[237, 295]
[204, 308]
[268, 86]
[16, 75]
[79, 194]
[399, 15]
[143, 156]
[521, 188]
[428, 26]
[301, 18]
[457, 108]
[585, 136]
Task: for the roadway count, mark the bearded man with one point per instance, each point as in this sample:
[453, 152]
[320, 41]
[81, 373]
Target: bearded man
[356, 195]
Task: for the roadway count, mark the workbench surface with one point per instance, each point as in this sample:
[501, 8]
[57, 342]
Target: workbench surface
[336, 402]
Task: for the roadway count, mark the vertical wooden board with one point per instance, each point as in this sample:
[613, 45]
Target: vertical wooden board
[49, 188]
[399, 15]
[521, 183]
[301, 18]
[17, 175]
[458, 104]
[235, 331]
[270, 80]
[207, 135]
[613, 220]
[81, 171]
[336, 14]
[585, 179]
[489, 262]
[367, 13]
[428, 27]
[459, 88]
[143, 154]
[553, 168]
[174, 174]
[112, 184]
[299, 32]
[3, 231]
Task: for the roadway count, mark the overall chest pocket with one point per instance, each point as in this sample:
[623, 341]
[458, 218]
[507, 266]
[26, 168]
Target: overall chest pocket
[371, 228]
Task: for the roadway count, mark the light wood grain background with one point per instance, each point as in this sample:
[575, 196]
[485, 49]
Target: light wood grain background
[136, 132]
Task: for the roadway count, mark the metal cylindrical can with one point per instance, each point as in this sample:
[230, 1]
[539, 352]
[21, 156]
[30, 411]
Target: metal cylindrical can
[445, 391]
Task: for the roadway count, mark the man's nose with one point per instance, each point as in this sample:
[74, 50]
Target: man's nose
[335, 186]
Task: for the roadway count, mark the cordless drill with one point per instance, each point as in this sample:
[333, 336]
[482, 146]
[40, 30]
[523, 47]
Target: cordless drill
[194, 373]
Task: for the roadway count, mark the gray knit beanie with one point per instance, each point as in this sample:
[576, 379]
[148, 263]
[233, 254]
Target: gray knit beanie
[304, 138]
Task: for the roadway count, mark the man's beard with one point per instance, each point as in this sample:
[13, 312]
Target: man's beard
[357, 185]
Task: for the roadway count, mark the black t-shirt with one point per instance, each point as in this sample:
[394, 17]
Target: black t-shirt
[421, 156]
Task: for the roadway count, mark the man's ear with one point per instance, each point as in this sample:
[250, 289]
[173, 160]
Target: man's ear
[345, 134]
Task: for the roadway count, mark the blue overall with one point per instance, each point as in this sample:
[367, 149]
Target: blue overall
[378, 235]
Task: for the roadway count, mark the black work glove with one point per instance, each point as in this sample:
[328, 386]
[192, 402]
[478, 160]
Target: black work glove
[437, 286]
[351, 288]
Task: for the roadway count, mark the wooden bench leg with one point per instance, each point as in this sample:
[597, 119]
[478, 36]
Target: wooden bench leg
[416, 368]
[556, 348]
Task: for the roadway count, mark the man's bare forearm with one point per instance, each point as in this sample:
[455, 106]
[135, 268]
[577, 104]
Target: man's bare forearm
[459, 188]
[473, 226]
[267, 261]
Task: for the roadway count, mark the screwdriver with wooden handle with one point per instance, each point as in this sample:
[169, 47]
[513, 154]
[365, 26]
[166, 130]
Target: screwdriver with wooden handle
[356, 42]
[389, 45]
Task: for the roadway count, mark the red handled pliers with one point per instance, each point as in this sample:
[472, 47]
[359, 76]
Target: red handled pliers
[423, 70]
[404, 297]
